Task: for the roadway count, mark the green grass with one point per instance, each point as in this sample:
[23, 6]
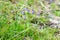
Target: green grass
[14, 27]
[55, 9]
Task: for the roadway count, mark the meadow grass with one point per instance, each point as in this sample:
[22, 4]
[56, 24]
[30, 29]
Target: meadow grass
[17, 26]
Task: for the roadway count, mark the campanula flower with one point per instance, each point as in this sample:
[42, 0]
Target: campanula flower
[26, 10]
[32, 11]
[22, 12]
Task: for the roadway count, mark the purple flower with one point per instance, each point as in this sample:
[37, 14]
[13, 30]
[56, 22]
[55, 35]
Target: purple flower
[26, 9]
[51, 0]
[22, 12]
[32, 11]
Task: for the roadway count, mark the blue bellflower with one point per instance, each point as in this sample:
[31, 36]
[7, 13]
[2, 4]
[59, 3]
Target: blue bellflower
[32, 11]
[23, 12]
